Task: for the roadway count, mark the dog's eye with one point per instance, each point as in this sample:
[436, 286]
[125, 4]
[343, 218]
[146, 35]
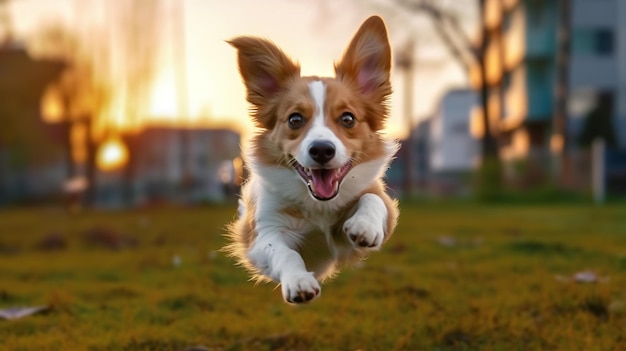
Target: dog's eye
[295, 121]
[347, 120]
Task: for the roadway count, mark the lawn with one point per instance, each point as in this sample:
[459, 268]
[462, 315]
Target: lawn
[453, 277]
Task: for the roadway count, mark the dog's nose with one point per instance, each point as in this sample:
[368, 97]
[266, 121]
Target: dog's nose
[322, 151]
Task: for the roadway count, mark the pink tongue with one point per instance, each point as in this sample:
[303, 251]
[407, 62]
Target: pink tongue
[324, 182]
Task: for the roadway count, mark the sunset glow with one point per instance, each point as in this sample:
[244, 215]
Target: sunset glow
[164, 98]
[112, 155]
[206, 67]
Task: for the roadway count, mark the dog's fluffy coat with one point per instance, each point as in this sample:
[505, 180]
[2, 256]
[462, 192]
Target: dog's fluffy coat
[315, 198]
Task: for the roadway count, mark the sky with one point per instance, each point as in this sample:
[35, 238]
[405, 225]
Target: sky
[315, 33]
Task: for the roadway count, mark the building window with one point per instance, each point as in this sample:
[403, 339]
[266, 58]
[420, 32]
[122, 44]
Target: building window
[604, 41]
[507, 83]
[507, 80]
[507, 21]
[459, 128]
[598, 41]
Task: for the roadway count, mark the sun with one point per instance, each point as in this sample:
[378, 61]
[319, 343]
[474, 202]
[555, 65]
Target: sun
[112, 155]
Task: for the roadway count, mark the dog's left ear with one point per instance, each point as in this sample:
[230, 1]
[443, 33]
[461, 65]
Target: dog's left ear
[367, 60]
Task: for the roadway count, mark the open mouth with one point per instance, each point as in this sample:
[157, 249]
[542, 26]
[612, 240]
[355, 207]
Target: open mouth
[323, 183]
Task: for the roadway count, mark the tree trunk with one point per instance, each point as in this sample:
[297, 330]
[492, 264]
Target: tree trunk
[488, 143]
[131, 142]
[91, 175]
[70, 167]
[489, 180]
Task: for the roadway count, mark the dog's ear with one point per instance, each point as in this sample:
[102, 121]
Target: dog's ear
[265, 70]
[367, 60]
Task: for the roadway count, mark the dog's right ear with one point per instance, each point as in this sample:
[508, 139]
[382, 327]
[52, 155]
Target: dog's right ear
[265, 70]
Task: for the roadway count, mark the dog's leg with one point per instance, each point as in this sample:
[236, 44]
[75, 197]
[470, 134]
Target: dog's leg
[366, 228]
[272, 255]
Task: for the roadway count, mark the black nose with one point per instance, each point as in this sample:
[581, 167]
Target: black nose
[322, 151]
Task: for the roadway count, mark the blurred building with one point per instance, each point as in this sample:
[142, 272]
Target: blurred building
[420, 142]
[522, 70]
[453, 151]
[443, 150]
[172, 165]
[417, 158]
[32, 164]
[452, 147]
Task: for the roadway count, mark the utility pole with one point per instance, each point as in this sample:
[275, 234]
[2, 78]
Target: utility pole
[559, 122]
[405, 61]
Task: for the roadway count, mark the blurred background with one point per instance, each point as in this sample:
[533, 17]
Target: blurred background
[116, 104]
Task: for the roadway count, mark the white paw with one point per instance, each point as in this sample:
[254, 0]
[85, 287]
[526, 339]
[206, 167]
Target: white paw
[364, 231]
[300, 287]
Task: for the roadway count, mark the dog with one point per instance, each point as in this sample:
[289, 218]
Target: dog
[314, 200]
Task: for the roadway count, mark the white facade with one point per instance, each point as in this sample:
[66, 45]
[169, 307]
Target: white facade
[160, 160]
[598, 60]
[158, 173]
[594, 68]
[452, 147]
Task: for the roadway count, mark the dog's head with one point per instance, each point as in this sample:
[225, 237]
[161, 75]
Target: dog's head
[322, 128]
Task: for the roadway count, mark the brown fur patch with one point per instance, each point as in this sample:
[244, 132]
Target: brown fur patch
[293, 212]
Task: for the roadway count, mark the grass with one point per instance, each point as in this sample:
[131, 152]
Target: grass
[453, 277]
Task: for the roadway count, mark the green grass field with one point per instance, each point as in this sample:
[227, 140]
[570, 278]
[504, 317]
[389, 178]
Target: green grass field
[453, 277]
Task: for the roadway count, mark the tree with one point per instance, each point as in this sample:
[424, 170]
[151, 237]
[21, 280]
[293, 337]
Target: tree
[469, 53]
[82, 91]
[102, 72]
[137, 37]
[466, 53]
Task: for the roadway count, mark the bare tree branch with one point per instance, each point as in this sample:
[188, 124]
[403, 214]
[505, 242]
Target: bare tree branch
[448, 28]
[466, 53]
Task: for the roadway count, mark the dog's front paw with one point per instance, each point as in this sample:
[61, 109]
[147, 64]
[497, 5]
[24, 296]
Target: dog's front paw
[364, 231]
[300, 287]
